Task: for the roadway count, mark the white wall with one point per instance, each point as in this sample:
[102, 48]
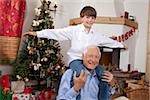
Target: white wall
[6, 69]
[29, 13]
[139, 8]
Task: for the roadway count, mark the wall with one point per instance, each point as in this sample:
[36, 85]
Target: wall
[139, 8]
[148, 49]
[29, 13]
[6, 69]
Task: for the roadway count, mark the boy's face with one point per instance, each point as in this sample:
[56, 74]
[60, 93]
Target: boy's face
[88, 21]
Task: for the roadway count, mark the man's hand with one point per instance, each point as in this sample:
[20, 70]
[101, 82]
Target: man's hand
[29, 33]
[79, 81]
[107, 76]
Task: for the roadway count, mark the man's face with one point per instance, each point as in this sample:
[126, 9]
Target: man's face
[91, 58]
[88, 21]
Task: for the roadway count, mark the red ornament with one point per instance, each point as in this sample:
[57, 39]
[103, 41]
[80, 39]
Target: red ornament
[126, 36]
[119, 38]
[123, 37]
[133, 29]
[114, 37]
[130, 33]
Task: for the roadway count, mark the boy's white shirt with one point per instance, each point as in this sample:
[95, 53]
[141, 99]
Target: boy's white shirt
[79, 38]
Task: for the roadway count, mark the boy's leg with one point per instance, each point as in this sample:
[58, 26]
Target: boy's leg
[104, 87]
[99, 71]
[76, 65]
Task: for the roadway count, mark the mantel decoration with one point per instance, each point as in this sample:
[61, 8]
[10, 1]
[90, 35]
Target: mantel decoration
[40, 59]
[125, 36]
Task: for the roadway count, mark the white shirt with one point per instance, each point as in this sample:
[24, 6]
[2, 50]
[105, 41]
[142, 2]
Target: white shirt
[79, 38]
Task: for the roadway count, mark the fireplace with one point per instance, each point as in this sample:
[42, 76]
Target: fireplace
[110, 56]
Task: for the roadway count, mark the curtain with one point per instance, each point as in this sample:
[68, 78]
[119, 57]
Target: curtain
[11, 23]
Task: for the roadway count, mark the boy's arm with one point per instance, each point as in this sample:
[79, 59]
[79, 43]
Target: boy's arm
[108, 42]
[56, 34]
[31, 33]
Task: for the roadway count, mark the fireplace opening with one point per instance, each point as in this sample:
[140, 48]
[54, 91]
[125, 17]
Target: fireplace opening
[110, 57]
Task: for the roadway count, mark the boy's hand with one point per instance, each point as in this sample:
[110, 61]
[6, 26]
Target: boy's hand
[79, 81]
[29, 33]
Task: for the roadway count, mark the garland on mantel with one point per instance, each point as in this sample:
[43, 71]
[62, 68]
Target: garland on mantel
[125, 36]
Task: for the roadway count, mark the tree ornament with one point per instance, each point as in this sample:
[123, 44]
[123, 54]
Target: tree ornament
[18, 77]
[26, 79]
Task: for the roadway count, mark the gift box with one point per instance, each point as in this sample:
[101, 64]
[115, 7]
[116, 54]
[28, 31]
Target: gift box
[17, 86]
[43, 95]
[22, 97]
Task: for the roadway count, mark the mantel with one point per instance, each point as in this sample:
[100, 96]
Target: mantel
[109, 20]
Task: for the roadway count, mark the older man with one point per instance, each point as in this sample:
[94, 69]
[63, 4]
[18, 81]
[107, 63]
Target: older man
[88, 86]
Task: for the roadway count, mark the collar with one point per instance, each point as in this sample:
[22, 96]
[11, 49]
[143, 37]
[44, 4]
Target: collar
[84, 30]
[88, 73]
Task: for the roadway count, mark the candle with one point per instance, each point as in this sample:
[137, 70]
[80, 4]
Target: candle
[55, 6]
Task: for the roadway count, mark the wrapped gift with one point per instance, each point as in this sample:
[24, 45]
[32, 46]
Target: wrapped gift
[43, 95]
[48, 95]
[17, 86]
[22, 97]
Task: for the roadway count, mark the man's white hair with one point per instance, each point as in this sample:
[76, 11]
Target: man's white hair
[91, 46]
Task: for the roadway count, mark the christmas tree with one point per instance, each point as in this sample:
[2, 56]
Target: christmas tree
[40, 58]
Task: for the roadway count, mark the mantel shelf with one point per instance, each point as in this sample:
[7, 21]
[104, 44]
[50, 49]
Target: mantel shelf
[109, 20]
